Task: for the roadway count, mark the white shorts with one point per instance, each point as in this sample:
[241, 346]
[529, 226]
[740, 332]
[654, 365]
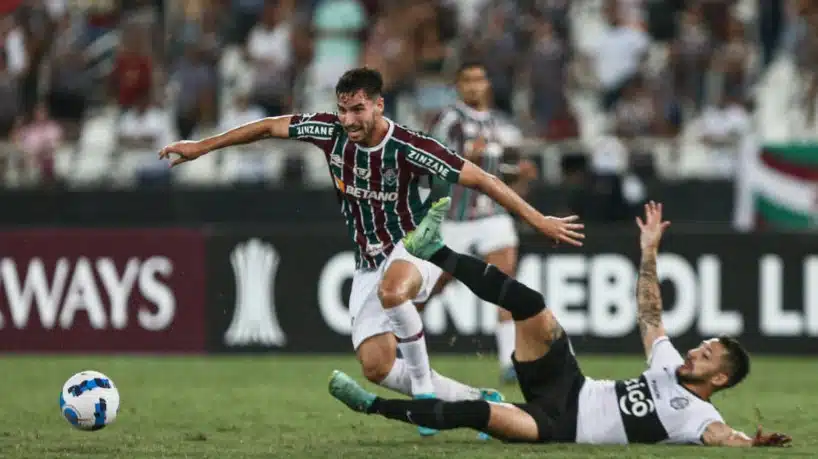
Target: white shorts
[484, 235]
[368, 316]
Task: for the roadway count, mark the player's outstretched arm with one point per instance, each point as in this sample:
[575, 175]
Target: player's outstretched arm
[648, 295]
[188, 150]
[720, 434]
[561, 229]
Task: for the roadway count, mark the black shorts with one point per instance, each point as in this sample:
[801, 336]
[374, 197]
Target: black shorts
[551, 386]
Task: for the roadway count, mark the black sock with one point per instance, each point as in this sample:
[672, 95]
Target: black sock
[434, 413]
[490, 284]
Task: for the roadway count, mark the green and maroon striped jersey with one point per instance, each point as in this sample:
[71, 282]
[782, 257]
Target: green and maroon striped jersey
[458, 126]
[379, 187]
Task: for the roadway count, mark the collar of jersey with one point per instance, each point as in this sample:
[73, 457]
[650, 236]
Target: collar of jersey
[385, 138]
[476, 114]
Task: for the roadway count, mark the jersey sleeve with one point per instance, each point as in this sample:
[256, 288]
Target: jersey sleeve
[664, 354]
[432, 157]
[448, 129]
[316, 128]
[698, 424]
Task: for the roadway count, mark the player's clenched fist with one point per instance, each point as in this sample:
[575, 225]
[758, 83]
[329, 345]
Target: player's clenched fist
[186, 150]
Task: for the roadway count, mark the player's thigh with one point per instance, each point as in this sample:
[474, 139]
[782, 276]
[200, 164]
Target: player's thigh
[553, 379]
[533, 337]
[509, 422]
[498, 240]
[409, 277]
[367, 314]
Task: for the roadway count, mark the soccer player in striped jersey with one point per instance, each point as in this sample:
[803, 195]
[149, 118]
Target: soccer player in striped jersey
[475, 222]
[378, 167]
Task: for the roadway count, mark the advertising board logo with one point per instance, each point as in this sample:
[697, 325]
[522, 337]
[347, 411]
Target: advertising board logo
[102, 290]
[255, 265]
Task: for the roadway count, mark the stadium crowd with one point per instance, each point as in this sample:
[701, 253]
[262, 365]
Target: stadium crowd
[90, 90]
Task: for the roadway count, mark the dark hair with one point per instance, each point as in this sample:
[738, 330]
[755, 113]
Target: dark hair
[363, 79]
[737, 361]
[468, 65]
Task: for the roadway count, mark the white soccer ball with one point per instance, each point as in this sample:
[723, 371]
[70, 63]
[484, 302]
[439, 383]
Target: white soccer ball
[89, 400]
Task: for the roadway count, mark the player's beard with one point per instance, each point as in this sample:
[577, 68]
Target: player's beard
[362, 132]
[685, 377]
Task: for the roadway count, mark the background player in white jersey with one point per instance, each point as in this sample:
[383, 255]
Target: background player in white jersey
[668, 403]
[474, 221]
[377, 167]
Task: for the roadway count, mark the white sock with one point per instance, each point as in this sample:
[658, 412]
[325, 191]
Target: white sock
[408, 327]
[505, 342]
[446, 389]
[449, 390]
[398, 378]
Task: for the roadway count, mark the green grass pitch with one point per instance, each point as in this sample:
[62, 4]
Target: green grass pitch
[277, 406]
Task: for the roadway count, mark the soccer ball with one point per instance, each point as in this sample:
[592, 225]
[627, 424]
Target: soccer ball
[89, 400]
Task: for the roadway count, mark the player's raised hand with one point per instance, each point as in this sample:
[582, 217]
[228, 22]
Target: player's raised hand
[185, 150]
[652, 227]
[773, 439]
[565, 229]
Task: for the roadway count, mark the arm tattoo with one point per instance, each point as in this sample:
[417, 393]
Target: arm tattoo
[649, 299]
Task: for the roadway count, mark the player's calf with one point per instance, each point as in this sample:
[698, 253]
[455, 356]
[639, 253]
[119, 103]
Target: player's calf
[377, 357]
[536, 327]
[491, 284]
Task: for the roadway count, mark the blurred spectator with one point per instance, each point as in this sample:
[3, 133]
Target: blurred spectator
[635, 113]
[801, 41]
[269, 47]
[562, 125]
[390, 49]
[101, 16]
[731, 60]
[9, 100]
[14, 46]
[724, 127]
[245, 14]
[240, 111]
[249, 165]
[132, 77]
[636, 116]
[716, 14]
[37, 29]
[690, 56]
[497, 47]
[143, 130]
[433, 91]
[196, 80]
[546, 66]
[69, 84]
[618, 54]
[39, 140]
[338, 27]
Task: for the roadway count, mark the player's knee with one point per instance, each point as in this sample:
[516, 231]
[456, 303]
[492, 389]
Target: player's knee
[553, 329]
[393, 294]
[375, 370]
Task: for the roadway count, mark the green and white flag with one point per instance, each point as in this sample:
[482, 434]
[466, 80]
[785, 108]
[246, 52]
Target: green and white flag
[785, 186]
